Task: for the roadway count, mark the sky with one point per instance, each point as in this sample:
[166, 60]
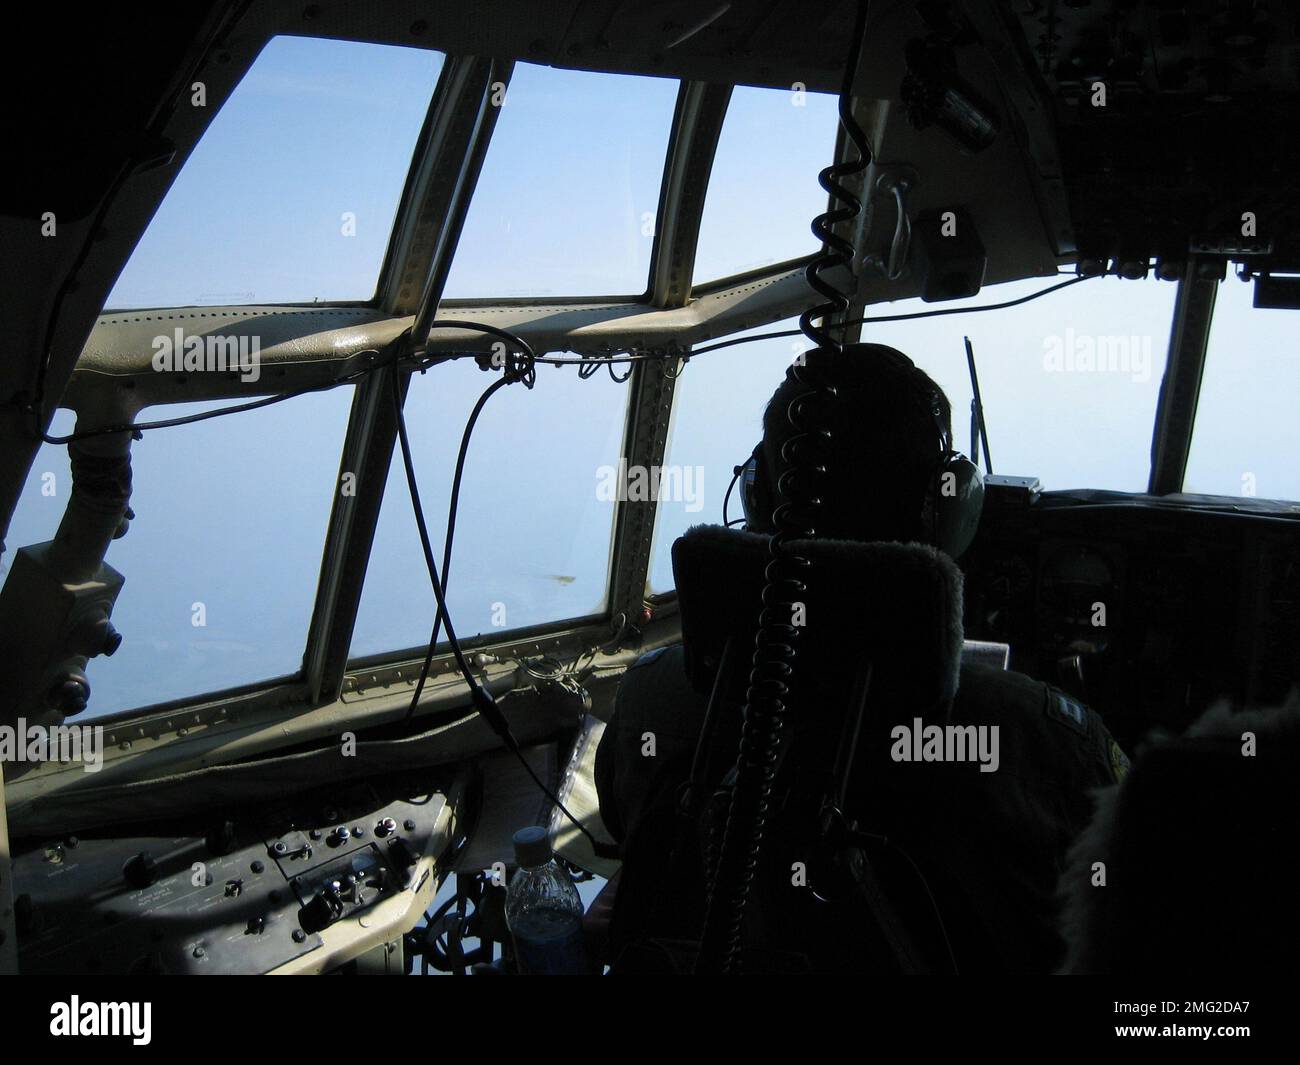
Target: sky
[290, 197]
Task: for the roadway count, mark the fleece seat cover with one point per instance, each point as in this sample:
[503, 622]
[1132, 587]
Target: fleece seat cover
[898, 605]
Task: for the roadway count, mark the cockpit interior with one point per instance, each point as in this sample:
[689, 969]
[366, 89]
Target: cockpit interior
[379, 419]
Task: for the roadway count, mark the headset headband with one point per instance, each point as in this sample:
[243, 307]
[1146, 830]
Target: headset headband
[948, 518]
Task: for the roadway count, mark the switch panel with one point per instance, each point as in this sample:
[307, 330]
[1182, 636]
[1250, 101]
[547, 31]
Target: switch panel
[245, 897]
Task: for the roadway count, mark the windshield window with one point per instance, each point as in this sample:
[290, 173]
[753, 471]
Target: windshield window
[566, 201]
[1069, 381]
[290, 195]
[763, 191]
[223, 556]
[534, 528]
[1069, 384]
[1246, 436]
[716, 421]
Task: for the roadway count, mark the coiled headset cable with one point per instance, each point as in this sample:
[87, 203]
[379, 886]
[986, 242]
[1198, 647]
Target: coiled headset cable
[798, 503]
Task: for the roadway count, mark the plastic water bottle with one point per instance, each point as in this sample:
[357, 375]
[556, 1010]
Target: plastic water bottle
[543, 910]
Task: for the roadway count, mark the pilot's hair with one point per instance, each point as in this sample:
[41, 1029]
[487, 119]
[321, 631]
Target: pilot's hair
[886, 443]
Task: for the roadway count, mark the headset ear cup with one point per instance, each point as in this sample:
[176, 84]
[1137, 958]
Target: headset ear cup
[953, 503]
[758, 510]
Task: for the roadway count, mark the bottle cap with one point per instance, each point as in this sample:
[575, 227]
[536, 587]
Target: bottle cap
[532, 847]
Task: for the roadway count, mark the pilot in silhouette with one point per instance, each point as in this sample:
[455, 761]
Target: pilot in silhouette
[990, 845]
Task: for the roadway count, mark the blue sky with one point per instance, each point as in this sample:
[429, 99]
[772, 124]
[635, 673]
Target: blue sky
[232, 512]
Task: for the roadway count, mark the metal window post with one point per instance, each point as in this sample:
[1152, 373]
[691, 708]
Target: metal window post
[457, 131]
[1181, 388]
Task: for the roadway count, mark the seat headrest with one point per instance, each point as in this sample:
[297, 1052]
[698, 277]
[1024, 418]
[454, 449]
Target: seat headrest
[898, 604]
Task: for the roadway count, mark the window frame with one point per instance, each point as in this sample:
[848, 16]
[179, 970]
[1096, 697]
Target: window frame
[1199, 355]
[626, 557]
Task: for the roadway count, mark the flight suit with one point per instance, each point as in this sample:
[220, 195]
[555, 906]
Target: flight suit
[990, 845]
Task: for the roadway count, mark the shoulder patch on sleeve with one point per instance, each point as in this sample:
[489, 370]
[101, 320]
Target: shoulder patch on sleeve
[1119, 762]
[1061, 708]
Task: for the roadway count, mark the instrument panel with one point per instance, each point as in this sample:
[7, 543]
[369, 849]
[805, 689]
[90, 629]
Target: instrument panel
[259, 891]
[1149, 612]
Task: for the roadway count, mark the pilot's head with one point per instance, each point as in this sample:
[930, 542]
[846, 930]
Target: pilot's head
[891, 428]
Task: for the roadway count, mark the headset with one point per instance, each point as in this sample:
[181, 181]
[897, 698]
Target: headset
[950, 510]
[954, 498]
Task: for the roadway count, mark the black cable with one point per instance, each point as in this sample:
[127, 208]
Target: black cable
[480, 697]
[735, 476]
[588, 365]
[494, 715]
[519, 372]
[633, 356]
[452, 507]
[135, 428]
[519, 366]
[895, 317]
